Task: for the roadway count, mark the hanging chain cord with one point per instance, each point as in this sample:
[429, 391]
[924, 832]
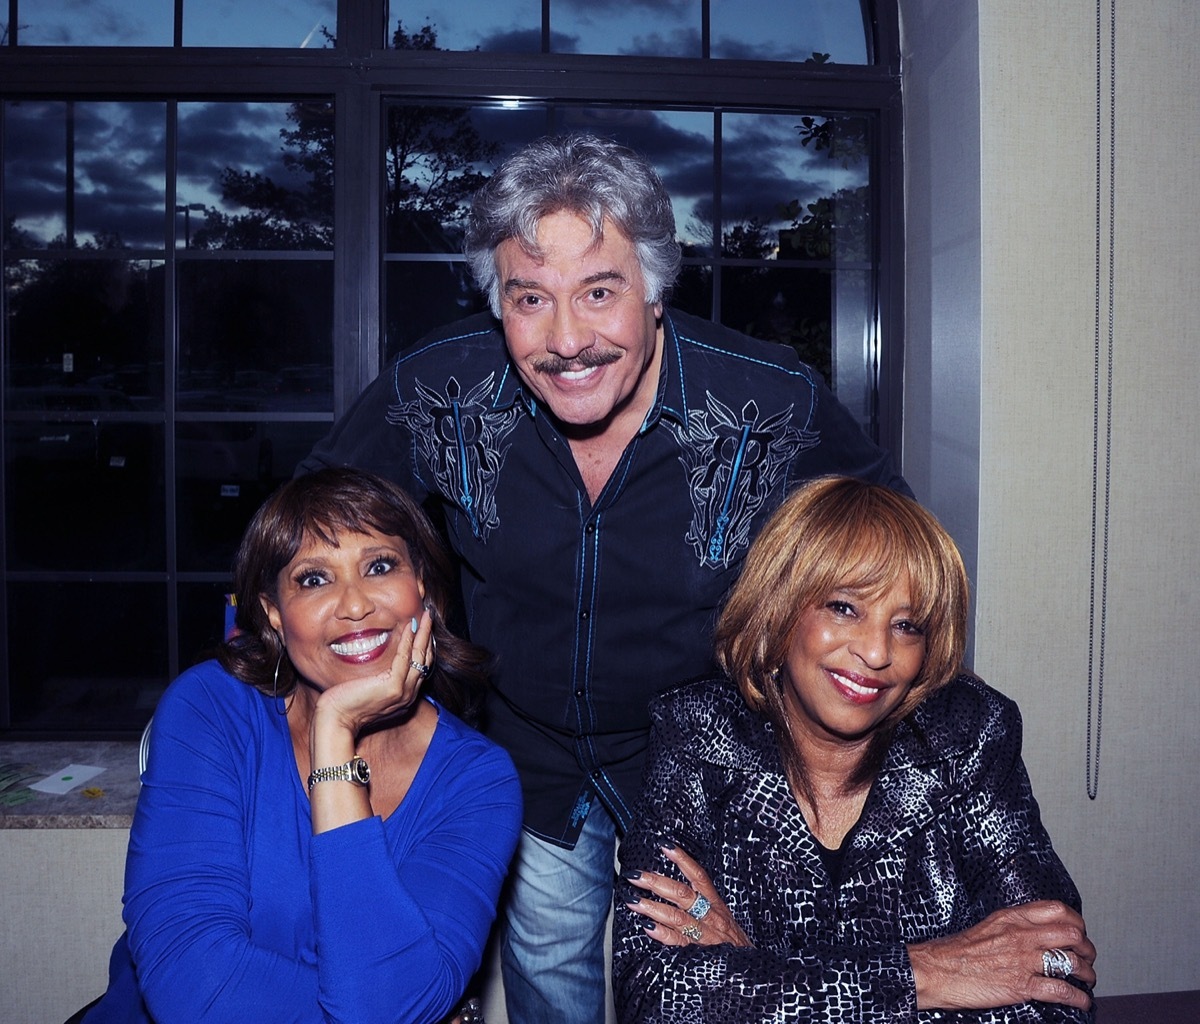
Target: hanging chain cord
[1095, 686]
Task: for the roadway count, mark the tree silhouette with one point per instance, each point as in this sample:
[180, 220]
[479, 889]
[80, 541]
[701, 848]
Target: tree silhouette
[434, 155]
[433, 160]
[278, 216]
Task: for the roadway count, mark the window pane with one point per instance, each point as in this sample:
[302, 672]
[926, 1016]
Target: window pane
[84, 490]
[514, 26]
[112, 671]
[112, 23]
[226, 470]
[201, 620]
[87, 323]
[287, 23]
[422, 296]
[693, 291]
[821, 30]
[785, 178]
[255, 176]
[87, 175]
[436, 157]
[256, 335]
[783, 304]
[648, 28]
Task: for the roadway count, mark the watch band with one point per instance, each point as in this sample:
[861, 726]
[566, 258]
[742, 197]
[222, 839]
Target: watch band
[355, 770]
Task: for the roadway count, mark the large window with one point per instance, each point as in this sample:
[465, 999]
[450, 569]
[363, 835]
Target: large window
[219, 222]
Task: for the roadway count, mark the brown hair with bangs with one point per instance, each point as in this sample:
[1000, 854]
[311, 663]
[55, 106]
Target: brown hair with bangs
[837, 532]
[323, 506]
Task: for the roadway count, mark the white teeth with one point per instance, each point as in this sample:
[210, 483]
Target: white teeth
[578, 374]
[850, 684]
[361, 646]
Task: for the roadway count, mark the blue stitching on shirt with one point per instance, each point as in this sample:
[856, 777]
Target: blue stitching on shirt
[467, 499]
[753, 359]
[716, 543]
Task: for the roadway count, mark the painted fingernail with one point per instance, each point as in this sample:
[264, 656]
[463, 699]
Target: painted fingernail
[668, 846]
[649, 926]
[414, 624]
[633, 900]
[631, 873]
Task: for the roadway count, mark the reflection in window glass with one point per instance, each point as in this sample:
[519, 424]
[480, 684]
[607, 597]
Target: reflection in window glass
[784, 304]
[110, 464]
[284, 23]
[201, 620]
[514, 26]
[795, 187]
[255, 176]
[693, 291]
[224, 472]
[435, 159]
[112, 23]
[422, 296]
[66, 686]
[256, 335]
[820, 30]
[86, 175]
[649, 28]
[80, 325]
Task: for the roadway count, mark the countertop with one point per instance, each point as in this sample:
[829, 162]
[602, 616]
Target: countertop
[106, 801]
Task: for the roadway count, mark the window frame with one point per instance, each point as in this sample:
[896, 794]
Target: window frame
[359, 73]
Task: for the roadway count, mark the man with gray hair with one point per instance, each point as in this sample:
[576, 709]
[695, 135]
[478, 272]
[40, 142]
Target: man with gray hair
[603, 463]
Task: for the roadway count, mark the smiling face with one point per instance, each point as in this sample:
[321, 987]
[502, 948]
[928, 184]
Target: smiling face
[578, 326]
[852, 661]
[339, 608]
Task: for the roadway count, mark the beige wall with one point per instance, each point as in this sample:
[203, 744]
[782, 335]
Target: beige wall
[60, 913]
[1132, 850]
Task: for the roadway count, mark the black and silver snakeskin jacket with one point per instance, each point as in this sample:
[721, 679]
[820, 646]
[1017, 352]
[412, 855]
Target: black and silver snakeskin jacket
[949, 833]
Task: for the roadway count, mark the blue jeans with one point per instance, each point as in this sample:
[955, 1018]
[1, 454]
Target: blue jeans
[552, 957]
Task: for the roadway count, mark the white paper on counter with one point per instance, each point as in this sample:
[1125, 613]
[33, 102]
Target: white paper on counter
[63, 782]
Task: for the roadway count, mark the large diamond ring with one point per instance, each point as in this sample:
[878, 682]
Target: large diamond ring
[699, 908]
[1057, 963]
[691, 931]
[423, 669]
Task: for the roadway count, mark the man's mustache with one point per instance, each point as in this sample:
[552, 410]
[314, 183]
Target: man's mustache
[587, 358]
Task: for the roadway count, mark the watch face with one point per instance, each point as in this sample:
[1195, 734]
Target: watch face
[361, 771]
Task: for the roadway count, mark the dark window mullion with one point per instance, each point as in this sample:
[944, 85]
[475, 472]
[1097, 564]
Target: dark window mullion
[357, 241]
[170, 362]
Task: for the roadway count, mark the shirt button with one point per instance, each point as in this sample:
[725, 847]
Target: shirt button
[579, 692]
[590, 529]
[584, 615]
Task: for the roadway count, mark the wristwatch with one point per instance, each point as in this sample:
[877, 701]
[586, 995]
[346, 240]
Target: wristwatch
[355, 770]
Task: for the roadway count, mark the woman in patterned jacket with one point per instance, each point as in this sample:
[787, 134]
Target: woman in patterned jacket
[843, 829]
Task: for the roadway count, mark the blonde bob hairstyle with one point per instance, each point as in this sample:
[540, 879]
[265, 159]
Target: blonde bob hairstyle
[839, 532]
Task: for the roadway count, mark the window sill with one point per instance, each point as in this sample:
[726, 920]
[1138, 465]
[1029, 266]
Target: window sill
[111, 807]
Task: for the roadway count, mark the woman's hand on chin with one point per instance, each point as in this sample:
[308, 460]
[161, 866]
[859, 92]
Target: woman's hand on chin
[998, 962]
[359, 703]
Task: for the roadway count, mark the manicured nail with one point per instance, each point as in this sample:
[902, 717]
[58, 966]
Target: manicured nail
[649, 926]
[631, 873]
[414, 624]
[668, 846]
[633, 900]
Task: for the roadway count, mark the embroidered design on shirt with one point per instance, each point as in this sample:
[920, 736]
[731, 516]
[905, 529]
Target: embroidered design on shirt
[733, 463]
[462, 440]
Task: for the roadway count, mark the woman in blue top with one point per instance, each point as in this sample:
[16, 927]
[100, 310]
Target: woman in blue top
[319, 837]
